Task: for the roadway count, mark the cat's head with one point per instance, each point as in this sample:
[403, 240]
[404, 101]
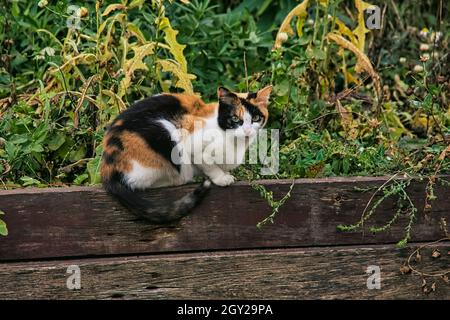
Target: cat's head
[243, 113]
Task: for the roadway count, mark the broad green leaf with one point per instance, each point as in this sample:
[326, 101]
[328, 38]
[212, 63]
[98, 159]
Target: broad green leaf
[282, 88]
[56, 141]
[93, 168]
[3, 228]
[316, 53]
[81, 178]
[36, 148]
[136, 3]
[28, 181]
[77, 154]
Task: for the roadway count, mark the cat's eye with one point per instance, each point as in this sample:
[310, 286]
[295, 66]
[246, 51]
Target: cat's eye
[235, 119]
[256, 118]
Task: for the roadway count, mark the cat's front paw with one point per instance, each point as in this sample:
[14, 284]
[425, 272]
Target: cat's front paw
[223, 180]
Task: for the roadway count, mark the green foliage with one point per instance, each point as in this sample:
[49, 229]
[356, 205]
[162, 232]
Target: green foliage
[404, 206]
[3, 228]
[219, 41]
[53, 133]
[274, 205]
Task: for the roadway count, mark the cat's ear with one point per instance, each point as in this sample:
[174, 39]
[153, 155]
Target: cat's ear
[226, 96]
[262, 96]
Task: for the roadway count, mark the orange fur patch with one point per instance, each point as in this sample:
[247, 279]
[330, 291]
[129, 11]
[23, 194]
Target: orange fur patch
[263, 109]
[240, 111]
[191, 122]
[194, 105]
[118, 123]
[135, 148]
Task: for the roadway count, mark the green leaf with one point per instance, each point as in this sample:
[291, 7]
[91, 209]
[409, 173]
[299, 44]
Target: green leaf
[11, 150]
[28, 181]
[18, 139]
[136, 3]
[282, 88]
[300, 23]
[346, 165]
[3, 228]
[77, 154]
[316, 53]
[303, 41]
[56, 141]
[81, 178]
[93, 168]
[36, 148]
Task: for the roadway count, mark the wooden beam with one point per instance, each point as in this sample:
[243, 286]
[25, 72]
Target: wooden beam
[71, 222]
[319, 273]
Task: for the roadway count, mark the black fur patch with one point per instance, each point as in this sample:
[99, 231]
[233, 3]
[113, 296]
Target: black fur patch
[110, 158]
[251, 95]
[226, 112]
[115, 141]
[252, 109]
[142, 118]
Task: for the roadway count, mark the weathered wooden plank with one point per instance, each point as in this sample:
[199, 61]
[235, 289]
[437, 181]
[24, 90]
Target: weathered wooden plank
[69, 222]
[319, 273]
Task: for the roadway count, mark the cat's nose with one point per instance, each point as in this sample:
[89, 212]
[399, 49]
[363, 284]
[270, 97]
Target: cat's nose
[247, 131]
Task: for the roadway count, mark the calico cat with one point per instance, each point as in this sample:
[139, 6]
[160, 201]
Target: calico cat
[141, 144]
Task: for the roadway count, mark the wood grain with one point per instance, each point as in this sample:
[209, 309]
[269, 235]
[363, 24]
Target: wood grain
[71, 222]
[319, 273]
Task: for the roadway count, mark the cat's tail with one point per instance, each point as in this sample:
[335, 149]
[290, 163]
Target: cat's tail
[162, 213]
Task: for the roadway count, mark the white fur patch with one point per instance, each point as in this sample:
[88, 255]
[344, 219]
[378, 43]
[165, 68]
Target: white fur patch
[173, 131]
[141, 177]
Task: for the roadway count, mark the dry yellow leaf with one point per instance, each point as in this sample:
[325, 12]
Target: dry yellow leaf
[133, 64]
[285, 28]
[349, 78]
[183, 79]
[113, 7]
[346, 115]
[175, 48]
[363, 63]
[361, 29]
[344, 30]
[116, 99]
